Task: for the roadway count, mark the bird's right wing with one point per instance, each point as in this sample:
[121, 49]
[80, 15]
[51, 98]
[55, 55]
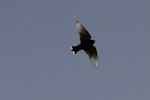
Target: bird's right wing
[92, 54]
[83, 33]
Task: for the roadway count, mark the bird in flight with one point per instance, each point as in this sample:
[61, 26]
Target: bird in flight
[86, 44]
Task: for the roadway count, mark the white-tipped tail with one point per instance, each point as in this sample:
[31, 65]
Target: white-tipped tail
[73, 52]
[71, 48]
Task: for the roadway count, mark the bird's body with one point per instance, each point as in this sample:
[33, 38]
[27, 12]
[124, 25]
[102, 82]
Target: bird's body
[83, 46]
[86, 44]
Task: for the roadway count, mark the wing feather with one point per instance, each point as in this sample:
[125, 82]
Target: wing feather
[83, 33]
[92, 54]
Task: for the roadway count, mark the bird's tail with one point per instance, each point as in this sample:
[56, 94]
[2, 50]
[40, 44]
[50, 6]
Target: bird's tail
[74, 49]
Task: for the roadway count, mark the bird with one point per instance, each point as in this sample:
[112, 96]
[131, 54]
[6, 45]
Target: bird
[86, 44]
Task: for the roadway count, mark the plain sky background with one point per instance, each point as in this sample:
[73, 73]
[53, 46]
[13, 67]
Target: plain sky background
[37, 64]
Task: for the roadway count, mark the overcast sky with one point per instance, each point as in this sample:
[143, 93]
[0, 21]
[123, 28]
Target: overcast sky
[37, 64]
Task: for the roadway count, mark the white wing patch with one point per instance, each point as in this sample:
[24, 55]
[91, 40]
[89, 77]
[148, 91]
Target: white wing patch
[94, 60]
[79, 27]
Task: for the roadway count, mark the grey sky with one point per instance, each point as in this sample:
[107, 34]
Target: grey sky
[37, 64]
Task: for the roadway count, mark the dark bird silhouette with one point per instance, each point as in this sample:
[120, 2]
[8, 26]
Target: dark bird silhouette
[86, 44]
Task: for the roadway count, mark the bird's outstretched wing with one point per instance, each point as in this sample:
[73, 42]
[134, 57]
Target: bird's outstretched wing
[83, 33]
[92, 53]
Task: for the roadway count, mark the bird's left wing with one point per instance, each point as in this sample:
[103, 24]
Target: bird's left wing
[92, 54]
